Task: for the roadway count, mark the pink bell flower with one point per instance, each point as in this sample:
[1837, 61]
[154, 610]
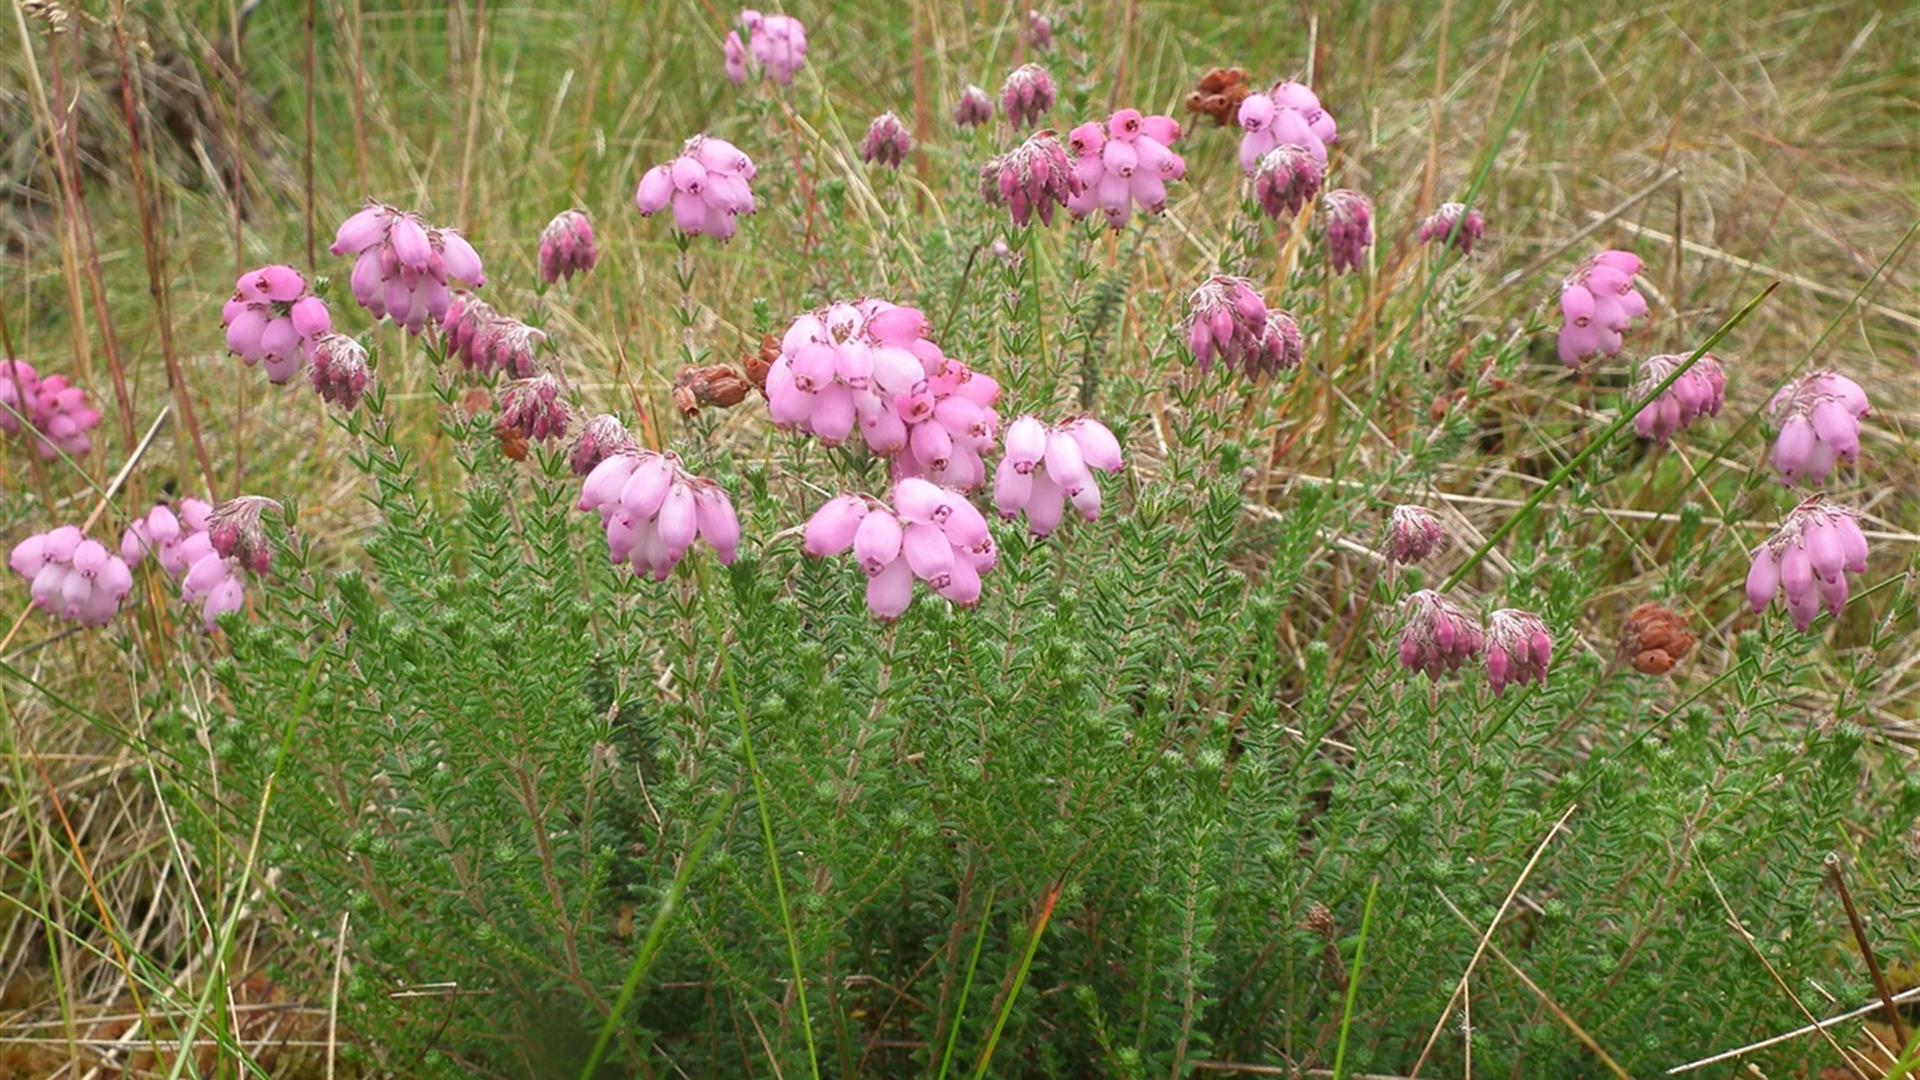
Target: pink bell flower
[1597, 305]
[708, 187]
[1817, 417]
[339, 371]
[405, 269]
[1039, 31]
[71, 577]
[1348, 224]
[535, 408]
[887, 142]
[206, 549]
[567, 247]
[1286, 180]
[928, 533]
[272, 318]
[487, 341]
[1287, 115]
[1045, 467]
[1807, 561]
[1702, 391]
[602, 437]
[974, 107]
[1413, 534]
[778, 44]
[1228, 319]
[1124, 163]
[652, 510]
[53, 412]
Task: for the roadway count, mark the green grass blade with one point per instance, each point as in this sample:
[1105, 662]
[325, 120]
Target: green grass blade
[1019, 977]
[1353, 982]
[960, 1007]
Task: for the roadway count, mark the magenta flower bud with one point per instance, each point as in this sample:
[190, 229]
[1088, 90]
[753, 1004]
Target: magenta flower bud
[1438, 637]
[1227, 318]
[1348, 224]
[1818, 420]
[1701, 391]
[1287, 179]
[974, 108]
[72, 577]
[1027, 95]
[1115, 179]
[1807, 561]
[1439, 229]
[603, 437]
[56, 414]
[1597, 305]
[487, 341]
[887, 142]
[1518, 649]
[535, 408]
[708, 186]
[339, 371]
[236, 532]
[1034, 177]
[1413, 534]
[567, 246]
[1039, 31]
[1287, 115]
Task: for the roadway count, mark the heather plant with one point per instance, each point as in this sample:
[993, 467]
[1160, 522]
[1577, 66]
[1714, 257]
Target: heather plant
[657, 657]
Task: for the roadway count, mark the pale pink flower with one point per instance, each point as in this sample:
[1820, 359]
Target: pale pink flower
[1438, 637]
[1228, 319]
[1413, 534]
[487, 341]
[1808, 561]
[1818, 419]
[187, 544]
[1701, 391]
[778, 44]
[71, 577]
[1035, 176]
[339, 371]
[567, 247]
[1044, 467]
[1439, 228]
[405, 268]
[1124, 163]
[887, 142]
[653, 509]
[1597, 305]
[54, 413]
[1027, 95]
[708, 186]
[1286, 180]
[928, 532]
[1287, 115]
[603, 436]
[1518, 649]
[271, 317]
[974, 108]
[1349, 228]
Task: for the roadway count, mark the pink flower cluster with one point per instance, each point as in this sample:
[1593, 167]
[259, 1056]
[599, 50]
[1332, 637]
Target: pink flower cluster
[1287, 115]
[1412, 535]
[55, 411]
[183, 543]
[534, 408]
[708, 186]
[1045, 466]
[653, 509]
[71, 577]
[1818, 417]
[339, 372]
[1286, 180]
[1702, 391]
[405, 268]
[1349, 228]
[487, 341]
[778, 44]
[1127, 161]
[929, 532]
[1519, 649]
[974, 108]
[271, 317]
[1438, 637]
[871, 364]
[567, 247]
[1597, 304]
[1027, 95]
[1227, 318]
[887, 142]
[1034, 176]
[1440, 226]
[1808, 559]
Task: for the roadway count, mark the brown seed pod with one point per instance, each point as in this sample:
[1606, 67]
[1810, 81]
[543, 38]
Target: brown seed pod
[718, 385]
[1654, 639]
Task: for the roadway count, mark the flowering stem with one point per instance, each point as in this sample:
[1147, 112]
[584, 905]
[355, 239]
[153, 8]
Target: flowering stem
[1606, 435]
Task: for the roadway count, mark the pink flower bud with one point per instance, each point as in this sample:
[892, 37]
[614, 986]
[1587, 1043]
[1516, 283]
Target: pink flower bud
[887, 142]
[1437, 637]
[1440, 227]
[974, 107]
[1413, 534]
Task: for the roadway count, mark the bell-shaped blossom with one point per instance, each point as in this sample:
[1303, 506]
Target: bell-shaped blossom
[1597, 305]
[887, 142]
[566, 246]
[53, 412]
[487, 341]
[1348, 222]
[406, 269]
[1412, 535]
[1034, 177]
[339, 372]
[928, 532]
[708, 186]
[1286, 180]
[1228, 319]
[1044, 467]
[734, 54]
[974, 108]
[1039, 31]
[1808, 561]
[1817, 417]
[870, 365]
[206, 549]
[535, 408]
[1438, 637]
[1287, 115]
[1027, 95]
[653, 509]
[71, 577]
[601, 437]
[1701, 391]
[1439, 228]
[1518, 649]
[778, 44]
[272, 318]
[1127, 162]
